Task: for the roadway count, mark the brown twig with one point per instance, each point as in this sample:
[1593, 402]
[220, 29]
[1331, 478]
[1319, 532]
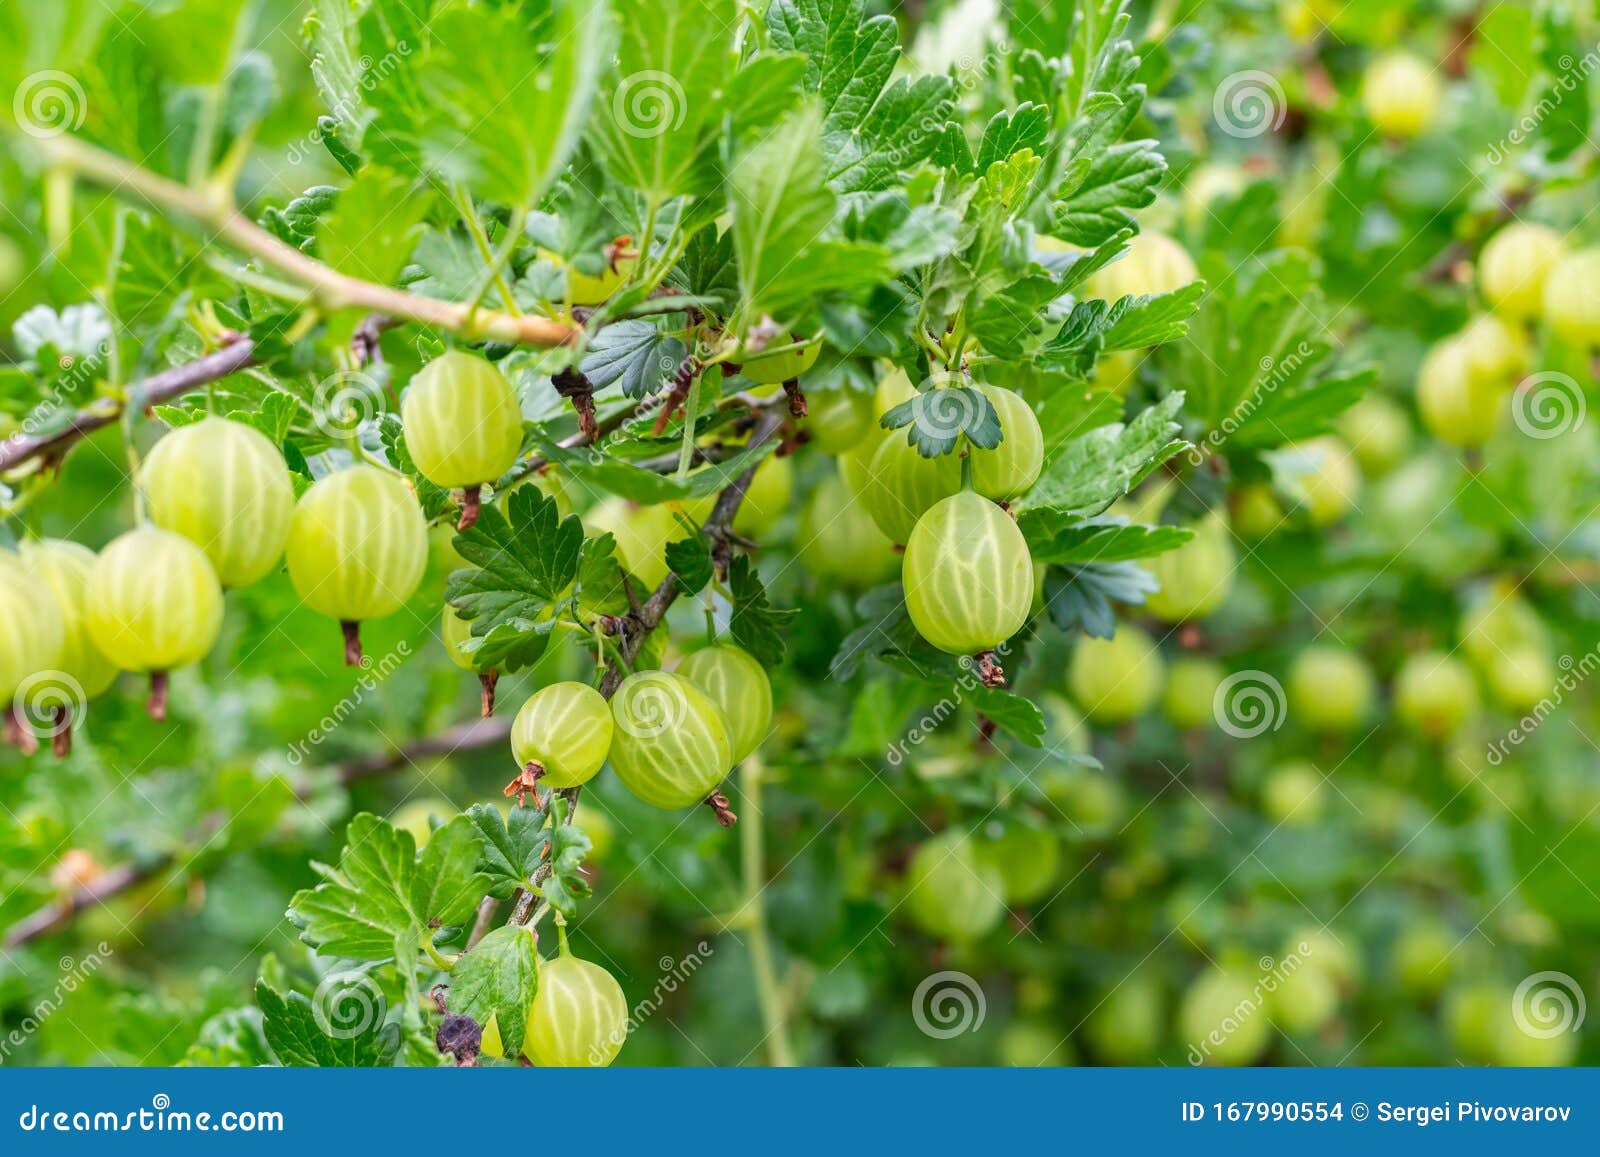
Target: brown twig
[152, 391]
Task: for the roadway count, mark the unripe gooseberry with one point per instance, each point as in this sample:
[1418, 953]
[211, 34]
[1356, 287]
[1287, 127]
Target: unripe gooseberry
[671, 744]
[1028, 858]
[1304, 999]
[1126, 1025]
[1423, 958]
[952, 892]
[463, 425]
[589, 289]
[1378, 433]
[1400, 94]
[738, 685]
[1572, 298]
[776, 368]
[1191, 691]
[1330, 688]
[766, 498]
[1521, 677]
[1255, 510]
[579, 1017]
[899, 485]
[1514, 266]
[32, 628]
[566, 729]
[642, 534]
[358, 544]
[1496, 355]
[153, 603]
[839, 419]
[838, 540]
[1211, 1008]
[1435, 694]
[63, 568]
[1010, 468]
[1498, 621]
[1326, 477]
[1116, 679]
[1197, 576]
[1154, 263]
[1293, 794]
[893, 388]
[456, 633]
[1455, 406]
[968, 575]
[1206, 185]
[223, 486]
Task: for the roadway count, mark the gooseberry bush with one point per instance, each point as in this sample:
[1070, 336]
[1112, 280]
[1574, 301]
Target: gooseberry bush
[556, 533]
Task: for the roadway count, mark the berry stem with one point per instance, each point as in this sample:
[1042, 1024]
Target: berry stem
[487, 681]
[471, 507]
[352, 642]
[156, 705]
[61, 733]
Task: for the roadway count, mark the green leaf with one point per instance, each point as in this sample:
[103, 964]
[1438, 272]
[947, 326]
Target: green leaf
[659, 112]
[523, 561]
[938, 417]
[757, 626]
[782, 212]
[1123, 178]
[294, 1033]
[373, 226]
[635, 355]
[1055, 539]
[498, 978]
[1093, 470]
[1082, 597]
[690, 562]
[1017, 714]
[569, 844]
[513, 846]
[298, 222]
[383, 892]
[872, 130]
